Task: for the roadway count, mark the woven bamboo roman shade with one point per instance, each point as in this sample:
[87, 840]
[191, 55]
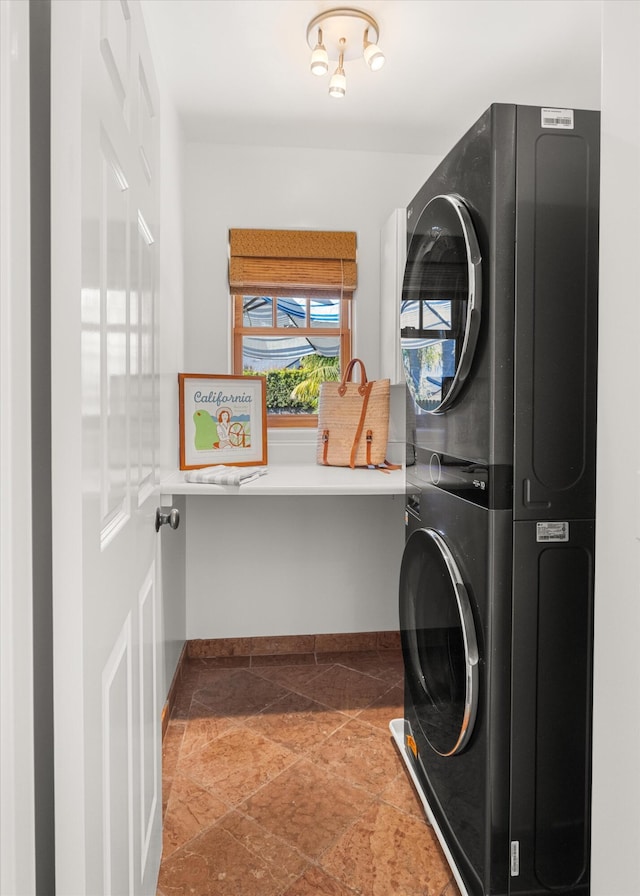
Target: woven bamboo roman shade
[315, 263]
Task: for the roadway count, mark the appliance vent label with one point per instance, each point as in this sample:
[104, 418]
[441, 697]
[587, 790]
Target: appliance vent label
[552, 531]
[557, 118]
[515, 858]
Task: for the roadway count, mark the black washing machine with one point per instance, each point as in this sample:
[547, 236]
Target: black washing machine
[499, 328]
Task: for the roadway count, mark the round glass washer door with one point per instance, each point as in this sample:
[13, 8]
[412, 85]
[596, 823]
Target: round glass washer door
[441, 303]
[439, 642]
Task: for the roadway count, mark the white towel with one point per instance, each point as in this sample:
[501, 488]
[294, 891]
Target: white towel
[221, 475]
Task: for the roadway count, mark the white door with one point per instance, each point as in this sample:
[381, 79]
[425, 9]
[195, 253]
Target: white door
[105, 413]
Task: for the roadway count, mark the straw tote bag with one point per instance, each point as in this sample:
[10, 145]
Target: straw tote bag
[353, 421]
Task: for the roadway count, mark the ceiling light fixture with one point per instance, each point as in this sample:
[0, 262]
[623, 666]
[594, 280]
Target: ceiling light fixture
[319, 57]
[346, 32]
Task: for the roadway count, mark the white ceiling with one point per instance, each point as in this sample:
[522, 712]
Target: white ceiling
[238, 70]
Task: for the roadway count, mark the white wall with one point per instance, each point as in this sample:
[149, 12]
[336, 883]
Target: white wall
[292, 565]
[296, 565]
[616, 772]
[237, 186]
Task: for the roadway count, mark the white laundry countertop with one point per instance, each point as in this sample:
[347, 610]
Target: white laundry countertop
[295, 479]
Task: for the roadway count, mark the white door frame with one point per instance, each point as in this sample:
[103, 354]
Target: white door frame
[66, 456]
[17, 813]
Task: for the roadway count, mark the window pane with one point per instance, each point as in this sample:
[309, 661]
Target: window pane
[294, 369]
[325, 313]
[291, 313]
[256, 311]
[261, 353]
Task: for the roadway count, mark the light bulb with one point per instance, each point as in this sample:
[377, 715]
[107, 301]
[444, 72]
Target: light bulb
[374, 57]
[338, 84]
[319, 57]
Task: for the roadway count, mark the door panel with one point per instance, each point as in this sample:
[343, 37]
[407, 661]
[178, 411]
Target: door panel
[105, 408]
[117, 755]
[551, 711]
[149, 769]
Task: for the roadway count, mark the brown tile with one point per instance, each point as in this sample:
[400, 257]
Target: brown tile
[283, 659]
[389, 640]
[204, 663]
[282, 644]
[387, 851]
[353, 659]
[371, 662]
[235, 856]
[189, 674]
[190, 811]
[393, 671]
[171, 744]
[235, 693]
[391, 666]
[341, 642]
[343, 689]
[167, 784]
[388, 706]
[307, 807]
[359, 754]
[235, 764]
[219, 647]
[297, 722]
[315, 882]
[182, 703]
[201, 730]
[290, 677]
[401, 793]
[187, 670]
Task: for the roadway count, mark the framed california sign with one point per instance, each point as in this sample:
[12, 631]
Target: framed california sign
[223, 420]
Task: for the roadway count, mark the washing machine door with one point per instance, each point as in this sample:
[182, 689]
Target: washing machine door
[441, 303]
[439, 642]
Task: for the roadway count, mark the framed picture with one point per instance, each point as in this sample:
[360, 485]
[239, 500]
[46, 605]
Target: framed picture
[223, 420]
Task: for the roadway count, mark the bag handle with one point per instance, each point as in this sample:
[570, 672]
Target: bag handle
[356, 439]
[348, 377]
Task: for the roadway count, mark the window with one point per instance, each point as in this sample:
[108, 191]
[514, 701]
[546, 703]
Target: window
[292, 293]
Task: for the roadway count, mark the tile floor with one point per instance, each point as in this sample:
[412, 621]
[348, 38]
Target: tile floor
[280, 779]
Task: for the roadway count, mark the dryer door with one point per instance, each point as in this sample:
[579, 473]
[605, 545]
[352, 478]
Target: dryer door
[439, 642]
[441, 300]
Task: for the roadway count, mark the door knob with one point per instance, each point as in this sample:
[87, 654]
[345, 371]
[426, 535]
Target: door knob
[171, 517]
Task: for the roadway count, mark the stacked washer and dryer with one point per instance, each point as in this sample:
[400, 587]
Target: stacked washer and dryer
[499, 340]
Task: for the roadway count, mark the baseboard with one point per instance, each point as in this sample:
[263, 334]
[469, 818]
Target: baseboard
[167, 709]
[342, 642]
